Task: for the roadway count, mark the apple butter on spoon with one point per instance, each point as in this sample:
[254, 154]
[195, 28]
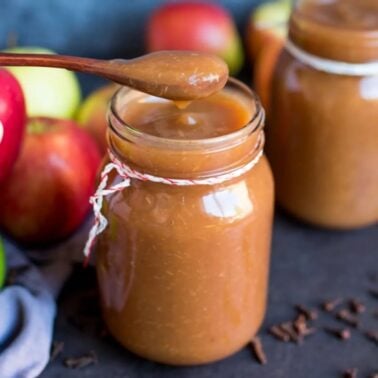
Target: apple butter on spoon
[175, 75]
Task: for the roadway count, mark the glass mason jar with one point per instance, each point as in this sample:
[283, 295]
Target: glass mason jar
[183, 270]
[323, 132]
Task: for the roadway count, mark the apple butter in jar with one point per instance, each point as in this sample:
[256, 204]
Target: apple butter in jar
[323, 133]
[183, 262]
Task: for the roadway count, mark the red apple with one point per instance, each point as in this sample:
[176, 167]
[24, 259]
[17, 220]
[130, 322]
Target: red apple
[92, 114]
[196, 26]
[12, 121]
[46, 196]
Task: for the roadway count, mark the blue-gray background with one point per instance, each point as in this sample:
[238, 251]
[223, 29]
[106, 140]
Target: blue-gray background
[95, 28]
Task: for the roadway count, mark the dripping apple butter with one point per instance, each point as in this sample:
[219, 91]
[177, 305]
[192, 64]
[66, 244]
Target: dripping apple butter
[323, 130]
[183, 270]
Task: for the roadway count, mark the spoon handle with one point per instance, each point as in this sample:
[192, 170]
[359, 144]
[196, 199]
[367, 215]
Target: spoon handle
[177, 75]
[50, 60]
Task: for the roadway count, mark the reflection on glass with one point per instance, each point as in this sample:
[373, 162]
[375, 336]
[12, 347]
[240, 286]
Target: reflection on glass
[232, 202]
[369, 87]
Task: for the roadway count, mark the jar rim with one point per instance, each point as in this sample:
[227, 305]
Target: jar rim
[338, 41]
[128, 132]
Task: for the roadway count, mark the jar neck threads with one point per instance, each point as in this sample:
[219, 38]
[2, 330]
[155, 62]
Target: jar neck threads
[331, 66]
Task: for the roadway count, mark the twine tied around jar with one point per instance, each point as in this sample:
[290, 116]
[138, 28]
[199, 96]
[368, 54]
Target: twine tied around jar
[127, 173]
[332, 66]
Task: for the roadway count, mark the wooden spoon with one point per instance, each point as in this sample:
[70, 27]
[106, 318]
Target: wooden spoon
[176, 75]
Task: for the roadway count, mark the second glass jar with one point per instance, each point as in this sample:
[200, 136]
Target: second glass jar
[323, 130]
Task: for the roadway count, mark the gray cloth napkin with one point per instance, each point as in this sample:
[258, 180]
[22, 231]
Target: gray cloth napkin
[27, 306]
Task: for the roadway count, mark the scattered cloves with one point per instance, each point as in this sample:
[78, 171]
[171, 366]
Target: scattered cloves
[279, 333]
[343, 334]
[288, 327]
[301, 326]
[310, 314]
[297, 329]
[330, 305]
[258, 351]
[357, 307]
[82, 361]
[347, 317]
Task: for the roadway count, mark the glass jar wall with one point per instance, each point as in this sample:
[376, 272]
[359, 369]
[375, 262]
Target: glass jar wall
[183, 270]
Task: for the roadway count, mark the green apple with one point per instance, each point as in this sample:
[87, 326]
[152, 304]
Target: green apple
[2, 264]
[268, 24]
[273, 15]
[49, 92]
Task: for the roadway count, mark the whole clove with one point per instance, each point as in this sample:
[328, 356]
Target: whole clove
[357, 307]
[288, 327]
[310, 314]
[295, 330]
[279, 333]
[372, 335]
[301, 326]
[330, 305]
[351, 373]
[343, 334]
[348, 318]
[81, 361]
[258, 351]
[56, 349]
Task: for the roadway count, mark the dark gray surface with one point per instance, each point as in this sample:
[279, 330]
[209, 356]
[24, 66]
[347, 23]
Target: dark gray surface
[308, 266]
